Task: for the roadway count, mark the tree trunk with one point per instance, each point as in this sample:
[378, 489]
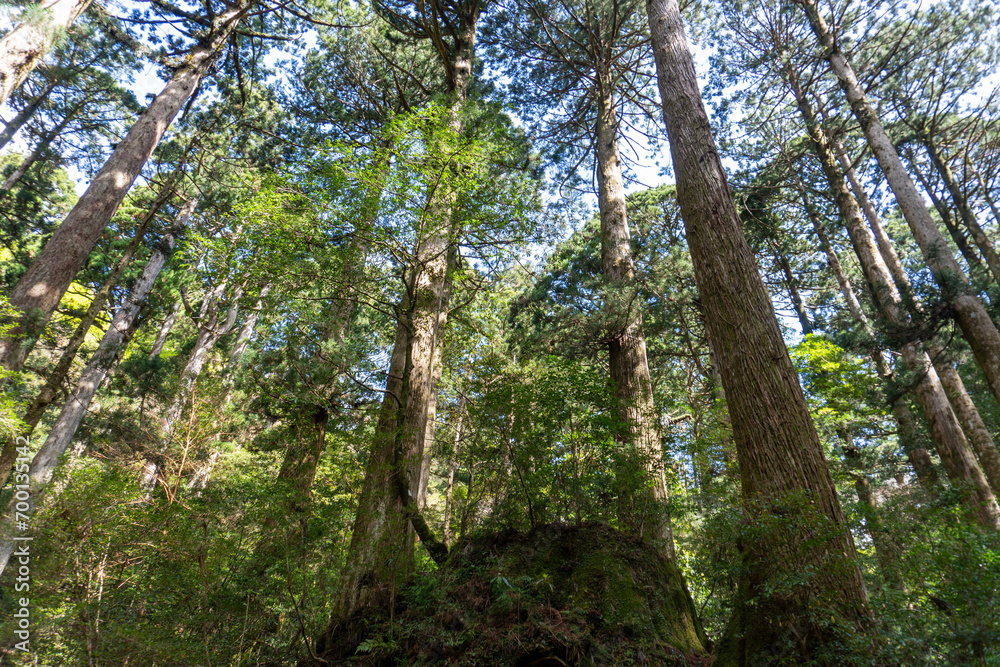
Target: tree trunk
[40, 148]
[114, 341]
[243, 338]
[24, 47]
[452, 469]
[165, 328]
[976, 325]
[962, 205]
[951, 443]
[793, 291]
[209, 333]
[918, 457]
[380, 552]
[40, 289]
[885, 245]
[781, 461]
[850, 298]
[47, 394]
[379, 528]
[642, 500]
[961, 240]
[973, 425]
[24, 115]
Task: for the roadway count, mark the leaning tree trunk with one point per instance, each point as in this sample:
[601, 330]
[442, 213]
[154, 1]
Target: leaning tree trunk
[782, 467]
[24, 47]
[951, 442]
[972, 422]
[960, 238]
[979, 330]
[209, 333]
[26, 114]
[40, 289]
[114, 341]
[885, 245]
[47, 394]
[40, 148]
[918, 457]
[962, 204]
[165, 329]
[642, 501]
[793, 291]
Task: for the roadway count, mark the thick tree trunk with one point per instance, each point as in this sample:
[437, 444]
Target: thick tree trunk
[47, 394]
[951, 443]
[973, 425]
[782, 467]
[24, 115]
[419, 491]
[40, 289]
[642, 500]
[380, 554]
[962, 205]
[379, 529]
[114, 341]
[979, 330]
[24, 47]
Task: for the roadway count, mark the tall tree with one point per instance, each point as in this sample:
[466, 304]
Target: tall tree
[115, 339]
[39, 290]
[975, 322]
[24, 47]
[779, 452]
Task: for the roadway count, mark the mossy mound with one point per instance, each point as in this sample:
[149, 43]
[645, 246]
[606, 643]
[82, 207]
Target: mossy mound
[560, 595]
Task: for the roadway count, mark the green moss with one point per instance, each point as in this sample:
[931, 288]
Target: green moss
[581, 595]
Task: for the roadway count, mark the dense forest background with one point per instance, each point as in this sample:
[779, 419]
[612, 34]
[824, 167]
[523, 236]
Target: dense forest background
[483, 332]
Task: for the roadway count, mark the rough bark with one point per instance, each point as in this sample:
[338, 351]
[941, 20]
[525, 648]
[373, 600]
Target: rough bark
[643, 500]
[40, 289]
[972, 423]
[24, 47]
[114, 341]
[379, 527]
[380, 553]
[419, 491]
[979, 330]
[962, 204]
[949, 438]
[779, 451]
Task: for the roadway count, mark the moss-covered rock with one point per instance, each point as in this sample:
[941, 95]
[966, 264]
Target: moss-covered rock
[560, 595]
